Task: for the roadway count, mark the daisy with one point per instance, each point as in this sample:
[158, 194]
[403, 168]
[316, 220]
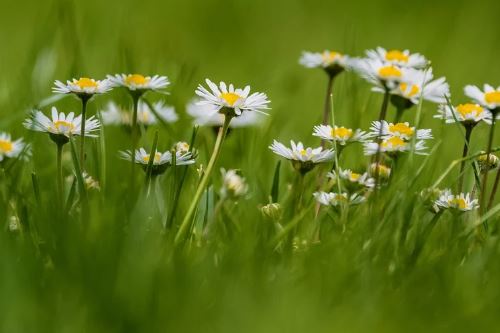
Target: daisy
[233, 186]
[488, 98]
[488, 162]
[354, 178]
[341, 135]
[90, 183]
[161, 161]
[203, 116]
[383, 171]
[336, 199]
[303, 159]
[228, 100]
[464, 113]
[417, 84]
[83, 87]
[392, 146]
[332, 62]
[60, 127]
[116, 115]
[461, 202]
[182, 147]
[10, 148]
[139, 83]
[381, 74]
[400, 130]
[398, 58]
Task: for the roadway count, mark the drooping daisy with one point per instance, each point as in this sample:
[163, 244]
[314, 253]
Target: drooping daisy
[161, 160]
[116, 115]
[341, 135]
[361, 179]
[139, 83]
[203, 115]
[398, 58]
[461, 202]
[233, 185]
[10, 148]
[393, 145]
[467, 114]
[303, 159]
[489, 97]
[83, 87]
[400, 130]
[336, 199]
[228, 100]
[381, 74]
[332, 62]
[61, 126]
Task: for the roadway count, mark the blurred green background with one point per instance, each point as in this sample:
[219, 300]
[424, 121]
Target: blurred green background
[109, 284]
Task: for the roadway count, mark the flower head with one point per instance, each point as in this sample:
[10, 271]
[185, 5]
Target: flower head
[461, 202]
[383, 171]
[398, 58]
[353, 178]
[10, 148]
[228, 100]
[161, 161]
[90, 182]
[303, 159]
[336, 199]
[383, 75]
[418, 84]
[83, 86]
[488, 162]
[467, 114]
[341, 135]
[116, 115]
[489, 97]
[139, 83]
[332, 62]
[234, 186]
[61, 126]
[400, 130]
[393, 145]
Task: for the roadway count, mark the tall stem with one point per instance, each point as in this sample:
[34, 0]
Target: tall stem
[488, 152]
[381, 117]
[82, 133]
[186, 222]
[60, 190]
[326, 108]
[135, 98]
[399, 114]
[468, 132]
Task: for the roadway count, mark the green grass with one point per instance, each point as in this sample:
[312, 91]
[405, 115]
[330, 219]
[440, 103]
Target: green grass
[115, 269]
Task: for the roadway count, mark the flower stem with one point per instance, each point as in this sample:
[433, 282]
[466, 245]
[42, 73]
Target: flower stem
[399, 114]
[135, 98]
[328, 100]
[82, 133]
[468, 132]
[381, 117]
[60, 174]
[485, 177]
[204, 180]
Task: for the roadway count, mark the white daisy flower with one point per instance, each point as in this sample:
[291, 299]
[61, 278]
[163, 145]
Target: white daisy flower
[10, 148]
[138, 82]
[182, 147]
[332, 62]
[233, 185]
[203, 115]
[393, 145]
[363, 179]
[464, 113]
[381, 74]
[417, 84]
[61, 125]
[225, 99]
[341, 135]
[461, 202]
[116, 115]
[489, 97]
[161, 160]
[398, 58]
[401, 130]
[82, 86]
[336, 199]
[303, 159]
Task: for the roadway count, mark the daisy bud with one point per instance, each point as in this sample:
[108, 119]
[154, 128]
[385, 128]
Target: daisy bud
[273, 211]
[487, 162]
[90, 183]
[234, 186]
[182, 147]
[14, 224]
[383, 171]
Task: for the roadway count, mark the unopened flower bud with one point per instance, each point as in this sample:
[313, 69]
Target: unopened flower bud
[273, 211]
[384, 172]
[487, 162]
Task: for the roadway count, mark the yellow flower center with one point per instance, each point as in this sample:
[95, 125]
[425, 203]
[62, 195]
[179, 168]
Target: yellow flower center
[303, 152]
[401, 128]
[85, 82]
[6, 146]
[156, 158]
[64, 126]
[492, 97]
[329, 57]
[396, 55]
[355, 176]
[394, 142]
[182, 147]
[389, 71]
[341, 132]
[341, 198]
[414, 89]
[230, 98]
[466, 109]
[136, 79]
[459, 202]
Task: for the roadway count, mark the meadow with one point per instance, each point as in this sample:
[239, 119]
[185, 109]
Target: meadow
[157, 246]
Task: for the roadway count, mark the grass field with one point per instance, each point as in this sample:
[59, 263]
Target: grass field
[107, 264]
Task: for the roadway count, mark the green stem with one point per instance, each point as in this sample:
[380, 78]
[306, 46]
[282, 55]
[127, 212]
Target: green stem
[135, 98]
[82, 133]
[204, 180]
[485, 177]
[382, 115]
[60, 194]
[468, 132]
[399, 114]
[326, 108]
